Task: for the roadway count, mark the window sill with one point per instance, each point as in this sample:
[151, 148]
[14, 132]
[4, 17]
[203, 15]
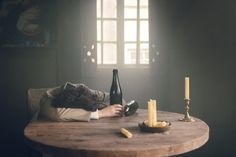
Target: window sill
[113, 66]
[128, 70]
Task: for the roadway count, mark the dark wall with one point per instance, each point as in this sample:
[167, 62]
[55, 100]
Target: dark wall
[24, 68]
[19, 71]
[199, 43]
[194, 38]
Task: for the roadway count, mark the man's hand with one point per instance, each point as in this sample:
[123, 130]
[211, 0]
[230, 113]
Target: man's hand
[110, 111]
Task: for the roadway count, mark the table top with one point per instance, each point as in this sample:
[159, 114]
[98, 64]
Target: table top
[102, 137]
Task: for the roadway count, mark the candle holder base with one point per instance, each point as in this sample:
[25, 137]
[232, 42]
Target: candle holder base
[186, 117]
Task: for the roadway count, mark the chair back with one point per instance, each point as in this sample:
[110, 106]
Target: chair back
[34, 96]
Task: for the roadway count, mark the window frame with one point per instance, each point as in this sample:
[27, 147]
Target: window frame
[120, 41]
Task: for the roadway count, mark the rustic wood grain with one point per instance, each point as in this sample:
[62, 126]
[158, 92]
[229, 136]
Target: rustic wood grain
[101, 138]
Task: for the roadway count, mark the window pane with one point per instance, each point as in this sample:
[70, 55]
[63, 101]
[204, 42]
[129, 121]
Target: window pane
[144, 12]
[98, 8]
[144, 53]
[143, 3]
[109, 30]
[98, 30]
[130, 30]
[130, 2]
[109, 8]
[130, 9]
[99, 55]
[144, 9]
[130, 53]
[109, 54]
[144, 35]
[131, 12]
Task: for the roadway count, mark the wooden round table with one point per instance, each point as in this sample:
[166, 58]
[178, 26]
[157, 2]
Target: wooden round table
[101, 138]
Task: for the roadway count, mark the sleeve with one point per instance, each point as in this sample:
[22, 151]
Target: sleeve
[73, 114]
[94, 115]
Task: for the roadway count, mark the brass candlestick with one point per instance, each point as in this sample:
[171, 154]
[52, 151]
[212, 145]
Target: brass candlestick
[187, 117]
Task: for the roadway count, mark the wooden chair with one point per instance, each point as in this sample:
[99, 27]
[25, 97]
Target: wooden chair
[33, 98]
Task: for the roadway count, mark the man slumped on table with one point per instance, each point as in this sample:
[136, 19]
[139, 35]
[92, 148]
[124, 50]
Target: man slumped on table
[77, 102]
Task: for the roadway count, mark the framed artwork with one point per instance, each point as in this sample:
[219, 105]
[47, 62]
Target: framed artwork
[27, 23]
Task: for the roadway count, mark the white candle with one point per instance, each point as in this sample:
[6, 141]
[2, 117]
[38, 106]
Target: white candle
[154, 120]
[186, 85]
[150, 114]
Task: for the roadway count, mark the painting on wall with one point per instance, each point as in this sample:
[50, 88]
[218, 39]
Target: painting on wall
[27, 23]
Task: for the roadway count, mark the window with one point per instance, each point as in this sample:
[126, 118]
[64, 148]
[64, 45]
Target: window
[122, 32]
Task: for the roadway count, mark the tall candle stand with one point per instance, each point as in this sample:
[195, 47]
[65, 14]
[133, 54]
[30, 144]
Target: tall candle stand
[187, 117]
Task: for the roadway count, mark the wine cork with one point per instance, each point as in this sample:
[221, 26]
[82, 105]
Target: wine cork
[126, 133]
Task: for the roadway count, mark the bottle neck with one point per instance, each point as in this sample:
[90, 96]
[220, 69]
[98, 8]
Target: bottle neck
[115, 76]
